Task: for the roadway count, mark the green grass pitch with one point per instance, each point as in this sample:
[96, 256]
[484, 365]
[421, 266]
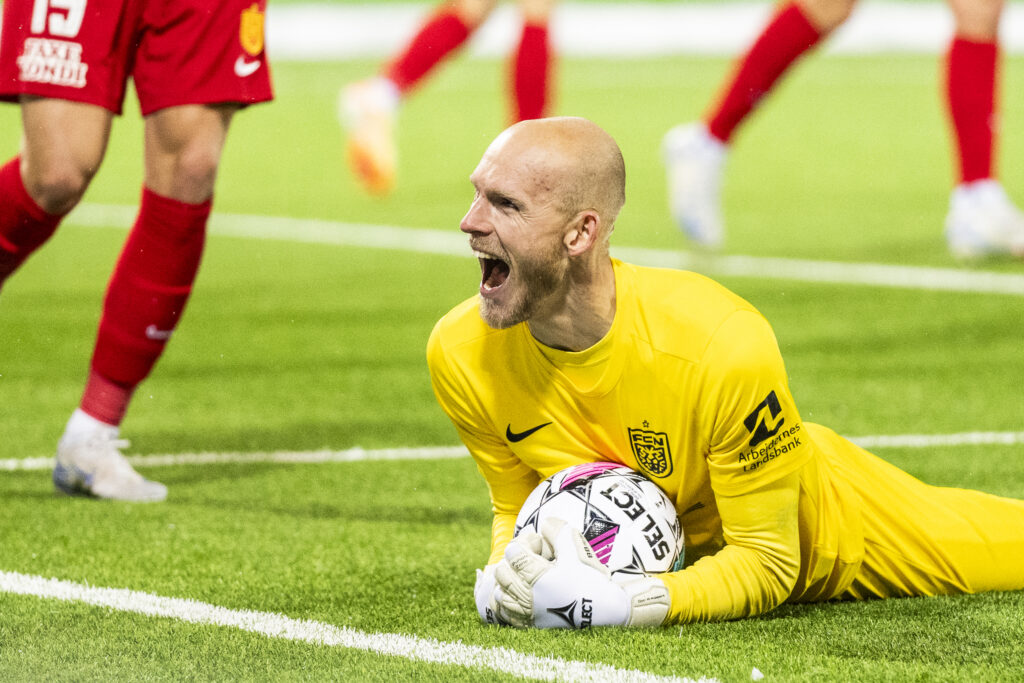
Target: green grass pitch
[291, 346]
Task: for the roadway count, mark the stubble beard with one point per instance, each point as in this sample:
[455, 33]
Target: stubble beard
[537, 278]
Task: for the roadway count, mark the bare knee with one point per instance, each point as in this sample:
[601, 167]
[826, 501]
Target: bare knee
[56, 184]
[183, 150]
[826, 15]
[977, 19]
[472, 12]
[62, 146]
[195, 171]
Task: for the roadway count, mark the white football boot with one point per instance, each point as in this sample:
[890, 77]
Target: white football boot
[92, 465]
[368, 110]
[982, 221]
[694, 161]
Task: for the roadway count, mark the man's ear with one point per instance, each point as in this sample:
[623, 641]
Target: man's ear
[582, 233]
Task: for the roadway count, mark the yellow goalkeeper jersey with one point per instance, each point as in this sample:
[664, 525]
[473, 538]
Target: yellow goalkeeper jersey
[688, 386]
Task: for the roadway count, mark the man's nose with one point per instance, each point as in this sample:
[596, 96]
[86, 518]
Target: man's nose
[474, 222]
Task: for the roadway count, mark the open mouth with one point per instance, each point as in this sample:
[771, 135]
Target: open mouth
[494, 271]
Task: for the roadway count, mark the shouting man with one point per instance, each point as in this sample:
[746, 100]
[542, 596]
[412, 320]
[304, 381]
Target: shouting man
[568, 356]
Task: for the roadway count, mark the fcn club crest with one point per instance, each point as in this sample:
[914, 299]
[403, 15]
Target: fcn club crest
[651, 451]
[250, 30]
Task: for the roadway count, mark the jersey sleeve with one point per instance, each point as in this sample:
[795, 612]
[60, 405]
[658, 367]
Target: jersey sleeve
[755, 449]
[509, 481]
[755, 434]
[757, 568]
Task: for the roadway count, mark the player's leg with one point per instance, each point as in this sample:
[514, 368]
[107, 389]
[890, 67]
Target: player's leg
[942, 542]
[927, 540]
[204, 51]
[793, 30]
[67, 63]
[62, 146]
[151, 283]
[695, 153]
[531, 62]
[444, 31]
[58, 61]
[981, 219]
[368, 109]
[991, 557]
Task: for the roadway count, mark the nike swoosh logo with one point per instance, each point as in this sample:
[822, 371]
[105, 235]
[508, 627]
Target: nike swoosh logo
[156, 334]
[519, 436]
[245, 68]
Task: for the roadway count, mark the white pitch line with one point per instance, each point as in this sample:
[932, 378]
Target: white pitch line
[940, 440]
[322, 31]
[295, 457]
[272, 625]
[454, 452]
[453, 243]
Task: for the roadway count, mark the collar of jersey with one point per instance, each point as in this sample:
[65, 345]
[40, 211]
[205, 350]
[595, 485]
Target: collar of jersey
[594, 371]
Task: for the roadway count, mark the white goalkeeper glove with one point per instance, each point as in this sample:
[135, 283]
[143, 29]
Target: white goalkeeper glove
[554, 580]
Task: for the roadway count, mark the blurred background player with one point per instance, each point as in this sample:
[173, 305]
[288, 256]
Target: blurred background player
[981, 219]
[368, 109]
[193, 65]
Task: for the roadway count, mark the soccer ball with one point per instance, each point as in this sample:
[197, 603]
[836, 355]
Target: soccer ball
[628, 521]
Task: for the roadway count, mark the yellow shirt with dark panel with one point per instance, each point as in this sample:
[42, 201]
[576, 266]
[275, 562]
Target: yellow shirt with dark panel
[688, 387]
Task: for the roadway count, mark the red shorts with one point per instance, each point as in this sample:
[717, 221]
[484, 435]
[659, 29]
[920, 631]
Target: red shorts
[176, 51]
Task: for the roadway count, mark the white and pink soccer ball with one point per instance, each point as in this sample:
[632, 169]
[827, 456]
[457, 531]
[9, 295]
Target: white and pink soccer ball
[628, 521]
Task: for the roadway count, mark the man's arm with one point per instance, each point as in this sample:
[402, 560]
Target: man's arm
[756, 448]
[502, 530]
[758, 567]
[513, 495]
[509, 481]
[755, 572]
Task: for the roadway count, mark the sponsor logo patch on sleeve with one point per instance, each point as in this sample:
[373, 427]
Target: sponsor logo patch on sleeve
[768, 438]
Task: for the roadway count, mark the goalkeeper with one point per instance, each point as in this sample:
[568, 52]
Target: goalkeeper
[568, 356]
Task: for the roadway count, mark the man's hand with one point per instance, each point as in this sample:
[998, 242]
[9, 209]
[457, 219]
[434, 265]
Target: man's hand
[554, 580]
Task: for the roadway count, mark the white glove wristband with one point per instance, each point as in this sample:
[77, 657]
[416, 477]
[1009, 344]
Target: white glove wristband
[482, 593]
[649, 601]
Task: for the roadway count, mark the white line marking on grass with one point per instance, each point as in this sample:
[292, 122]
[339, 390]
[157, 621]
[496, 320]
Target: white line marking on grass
[325, 31]
[299, 457]
[454, 452]
[835, 272]
[304, 457]
[940, 440]
[497, 659]
[453, 243]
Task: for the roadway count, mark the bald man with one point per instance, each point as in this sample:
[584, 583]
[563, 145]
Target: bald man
[567, 356]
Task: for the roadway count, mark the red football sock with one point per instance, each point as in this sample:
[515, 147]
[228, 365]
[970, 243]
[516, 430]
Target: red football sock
[971, 88]
[23, 225]
[145, 300]
[788, 36]
[442, 33]
[530, 71]
[105, 400]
